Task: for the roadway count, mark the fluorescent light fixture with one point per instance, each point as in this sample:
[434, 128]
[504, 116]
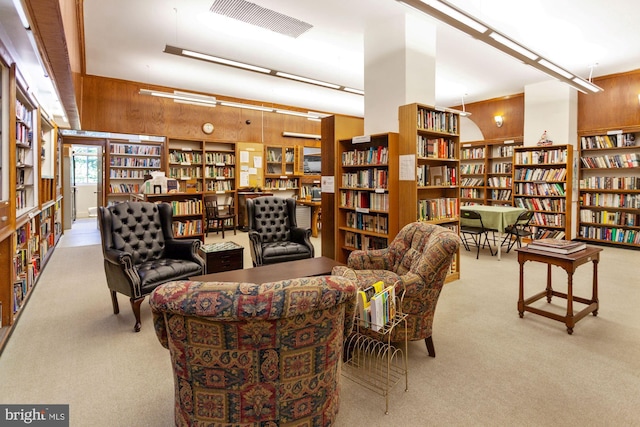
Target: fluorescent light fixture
[185, 97]
[513, 45]
[294, 113]
[307, 80]
[352, 90]
[301, 135]
[459, 19]
[246, 106]
[224, 61]
[23, 17]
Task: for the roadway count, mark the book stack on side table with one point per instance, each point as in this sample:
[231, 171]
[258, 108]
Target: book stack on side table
[557, 246]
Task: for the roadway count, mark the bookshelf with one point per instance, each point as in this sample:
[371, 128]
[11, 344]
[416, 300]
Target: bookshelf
[25, 268]
[280, 173]
[26, 153]
[473, 174]
[429, 148]
[219, 168]
[130, 163]
[609, 188]
[542, 182]
[367, 182]
[499, 185]
[188, 213]
[185, 165]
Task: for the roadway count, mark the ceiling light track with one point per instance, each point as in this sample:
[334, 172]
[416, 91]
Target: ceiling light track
[186, 53]
[211, 101]
[461, 20]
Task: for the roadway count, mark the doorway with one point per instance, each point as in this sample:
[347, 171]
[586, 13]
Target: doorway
[82, 178]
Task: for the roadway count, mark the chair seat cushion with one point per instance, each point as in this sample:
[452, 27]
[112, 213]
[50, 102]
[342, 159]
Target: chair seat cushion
[155, 272]
[288, 250]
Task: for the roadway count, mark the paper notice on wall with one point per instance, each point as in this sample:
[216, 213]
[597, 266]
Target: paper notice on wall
[244, 179]
[253, 171]
[327, 184]
[407, 167]
[257, 162]
[244, 157]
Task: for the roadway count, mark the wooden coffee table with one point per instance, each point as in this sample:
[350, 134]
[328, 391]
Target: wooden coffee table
[320, 266]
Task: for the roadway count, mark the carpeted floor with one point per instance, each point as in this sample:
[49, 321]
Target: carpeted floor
[492, 368]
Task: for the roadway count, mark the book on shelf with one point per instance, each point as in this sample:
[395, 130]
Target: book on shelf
[557, 246]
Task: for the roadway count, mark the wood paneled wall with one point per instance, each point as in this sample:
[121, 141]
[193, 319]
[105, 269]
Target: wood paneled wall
[617, 107]
[511, 108]
[111, 105]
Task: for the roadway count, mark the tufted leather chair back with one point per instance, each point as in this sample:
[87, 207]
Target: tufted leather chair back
[272, 218]
[136, 228]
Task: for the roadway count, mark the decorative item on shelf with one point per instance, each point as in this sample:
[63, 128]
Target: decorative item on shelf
[544, 140]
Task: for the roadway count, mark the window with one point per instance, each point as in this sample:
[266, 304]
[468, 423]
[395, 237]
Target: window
[85, 164]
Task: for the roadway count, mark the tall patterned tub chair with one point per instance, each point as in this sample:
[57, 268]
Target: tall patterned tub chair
[417, 260]
[248, 354]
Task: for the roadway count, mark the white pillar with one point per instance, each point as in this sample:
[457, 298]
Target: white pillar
[399, 69]
[551, 106]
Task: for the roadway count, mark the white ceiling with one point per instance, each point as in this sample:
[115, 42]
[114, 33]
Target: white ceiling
[125, 40]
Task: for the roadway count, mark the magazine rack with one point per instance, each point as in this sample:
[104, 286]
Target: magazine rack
[372, 360]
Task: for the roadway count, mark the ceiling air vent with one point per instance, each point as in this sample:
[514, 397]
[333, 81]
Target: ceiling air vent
[259, 16]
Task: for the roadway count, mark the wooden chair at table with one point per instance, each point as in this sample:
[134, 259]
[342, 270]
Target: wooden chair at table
[218, 214]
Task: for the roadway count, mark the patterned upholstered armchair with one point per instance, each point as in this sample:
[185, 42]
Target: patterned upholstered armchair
[140, 252]
[274, 232]
[418, 260]
[247, 354]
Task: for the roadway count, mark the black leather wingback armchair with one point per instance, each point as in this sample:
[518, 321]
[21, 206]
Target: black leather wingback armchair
[274, 233]
[140, 252]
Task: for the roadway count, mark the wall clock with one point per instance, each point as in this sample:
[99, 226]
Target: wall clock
[207, 128]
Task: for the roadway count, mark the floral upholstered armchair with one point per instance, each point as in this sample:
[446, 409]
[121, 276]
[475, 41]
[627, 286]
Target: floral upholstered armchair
[417, 260]
[253, 354]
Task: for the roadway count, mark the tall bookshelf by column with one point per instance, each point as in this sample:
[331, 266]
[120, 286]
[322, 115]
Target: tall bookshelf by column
[27, 153]
[220, 173]
[429, 149]
[609, 188]
[130, 164]
[185, 164]
[499, 185]
[543, 180]
[473, 174]
[367, 193]
[280, 173]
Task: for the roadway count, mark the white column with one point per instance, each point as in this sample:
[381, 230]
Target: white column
[550, 106]
[399, 69]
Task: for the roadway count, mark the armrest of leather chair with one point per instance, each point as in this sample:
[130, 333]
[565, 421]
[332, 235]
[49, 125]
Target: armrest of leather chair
[256, 247]
[302, 236]
[122, 275]
[186, 249]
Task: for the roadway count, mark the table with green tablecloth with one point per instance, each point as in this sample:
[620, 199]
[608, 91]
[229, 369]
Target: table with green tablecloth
[494, 217]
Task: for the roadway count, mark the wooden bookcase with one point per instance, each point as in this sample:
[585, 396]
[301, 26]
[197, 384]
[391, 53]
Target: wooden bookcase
[367, 182]
[26, 152]
[543, 180]
[129, 165]
[188, 213]
[473, 174]
[429, 150]
[280, 172]
[185, 159]
[609, 187]
[219, 168]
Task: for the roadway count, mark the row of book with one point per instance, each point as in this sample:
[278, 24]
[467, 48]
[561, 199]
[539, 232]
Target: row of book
[376, 305]
[24, 114]
[185, 173]
[185, 158]
[608, 141]
[216, 186]
[219, 172]
[500, 194]
[187, 228]
[436, 175]
[472, 153]
[365, 200]
[540, 189]
[436, 148]
[219, 158]
[128, 173]
[626, 160]
[472, 169]
[607, 200]
[439, 121]
[373, 156]
[368, 222]
[611, 183]
[471, 193]
[500, 181]
[437, 209]
[550, 220]
[619, 235]
[124, 188]
[541, 157]
[187, 207]
[23, 199]
[132, 162]
[541, 204]
[547, 233]
[280, 184]
[628, 219]
[504, 151]
[502, 167]
[368, 178]
[136, 150]
[539, 174]
[471, 182]
[364, 242]
[24, 136]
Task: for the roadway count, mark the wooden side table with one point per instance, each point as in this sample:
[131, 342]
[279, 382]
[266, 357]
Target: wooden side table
[223, 256]
[569, 263]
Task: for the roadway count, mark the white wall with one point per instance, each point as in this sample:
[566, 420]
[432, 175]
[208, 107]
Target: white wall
[86, 198]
